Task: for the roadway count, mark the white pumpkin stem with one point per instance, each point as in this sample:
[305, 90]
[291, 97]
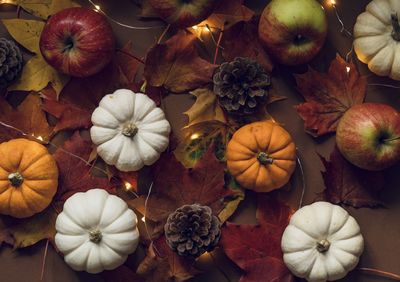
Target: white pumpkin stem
[16, 179]
[264, 158]
[129, 130]
[95, 236]
[323, 245]
[396, 27]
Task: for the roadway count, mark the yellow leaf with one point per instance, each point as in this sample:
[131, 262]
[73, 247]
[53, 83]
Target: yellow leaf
[206, 107]
[42, 8]
[25, 32]
[37, 74]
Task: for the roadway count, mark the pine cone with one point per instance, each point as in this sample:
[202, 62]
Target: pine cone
[10, 62]
[192, 230]
[241, 85]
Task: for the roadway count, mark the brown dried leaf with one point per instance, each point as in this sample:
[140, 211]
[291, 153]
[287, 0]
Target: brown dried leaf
[350, 185]
[176, 65]
[329, 96]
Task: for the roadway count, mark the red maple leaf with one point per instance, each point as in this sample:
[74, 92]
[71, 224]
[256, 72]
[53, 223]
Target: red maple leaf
[256, 249]
[329, 96]
[74, 173]
[350, 185]
[175, 186]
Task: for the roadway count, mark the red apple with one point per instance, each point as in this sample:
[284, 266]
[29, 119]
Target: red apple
[77, 41]
[368, 136]
[293, 31]
[183, 13]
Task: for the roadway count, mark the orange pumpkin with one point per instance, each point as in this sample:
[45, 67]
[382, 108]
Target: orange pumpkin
[28, 178]
[261, 156]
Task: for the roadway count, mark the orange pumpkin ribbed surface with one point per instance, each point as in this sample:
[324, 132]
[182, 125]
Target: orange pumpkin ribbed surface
[28, 178]
[261, 156]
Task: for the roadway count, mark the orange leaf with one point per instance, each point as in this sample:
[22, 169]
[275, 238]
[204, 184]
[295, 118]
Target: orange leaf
[28, 117]
[176, 65]
[329, 96]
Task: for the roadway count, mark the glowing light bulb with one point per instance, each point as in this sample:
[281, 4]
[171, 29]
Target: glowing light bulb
[128, 186]
[195, 27]
[143, 219]
[40, 138]
[97, 8]
[348, 70]
[194, 136]
[333, 2]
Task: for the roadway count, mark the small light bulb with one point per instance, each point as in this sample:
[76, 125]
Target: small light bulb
[207, 29]
[333, 2]
[348, 69]
[194, 136]
[143, 219]
[40, 138]
[128, 186]
[195, 27]
[97, 8]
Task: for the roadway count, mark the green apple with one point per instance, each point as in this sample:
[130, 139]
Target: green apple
[293, 31]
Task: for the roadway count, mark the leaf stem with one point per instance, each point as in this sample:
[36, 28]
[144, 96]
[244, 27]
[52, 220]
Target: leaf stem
[391, 139]
[44, 260]
[380, 273]
[131, 55]
[163, 34]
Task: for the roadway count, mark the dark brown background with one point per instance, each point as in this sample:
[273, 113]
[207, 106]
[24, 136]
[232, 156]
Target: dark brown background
[380, 227]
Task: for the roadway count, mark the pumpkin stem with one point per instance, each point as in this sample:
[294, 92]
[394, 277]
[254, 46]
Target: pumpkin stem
[323, 245]
[95, 236]
[391, 139]
[129, 130]
[396, 27]
[264, 158]
[16, 179]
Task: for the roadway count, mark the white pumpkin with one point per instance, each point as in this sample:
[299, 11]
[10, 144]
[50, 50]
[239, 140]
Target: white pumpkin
[322, 242]
[129, 130]
[96, 231]
[377, 37]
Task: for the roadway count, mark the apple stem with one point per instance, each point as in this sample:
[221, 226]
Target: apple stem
[391, 139]
[396, 27]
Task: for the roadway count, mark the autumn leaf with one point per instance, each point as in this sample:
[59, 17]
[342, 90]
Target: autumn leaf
[36, 73]
[197, 139]
[127, 64]
[69, 115]
[256, 249]
[232, 202]
[329, 96]
[28, 231]
[175, 186]
[248, 46]
[74, 174]
[27, 117]
[162, 264]
[176, 65]
[350, 185]
[206, 107]
[45, 8]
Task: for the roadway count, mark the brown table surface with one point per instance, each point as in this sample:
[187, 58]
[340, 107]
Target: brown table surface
[380, 227]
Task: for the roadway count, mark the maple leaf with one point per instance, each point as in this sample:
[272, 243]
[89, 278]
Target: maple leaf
[256, 249]
[248, 46]
[228, 13]
[198, 138]
[175, 186]
[206, 107]
[27, 117]
[350, 185]
[74, 174]
[162, 264]
[127, 64]
[329, 96]
[36, 73]
[176, 65]
[26, 232]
